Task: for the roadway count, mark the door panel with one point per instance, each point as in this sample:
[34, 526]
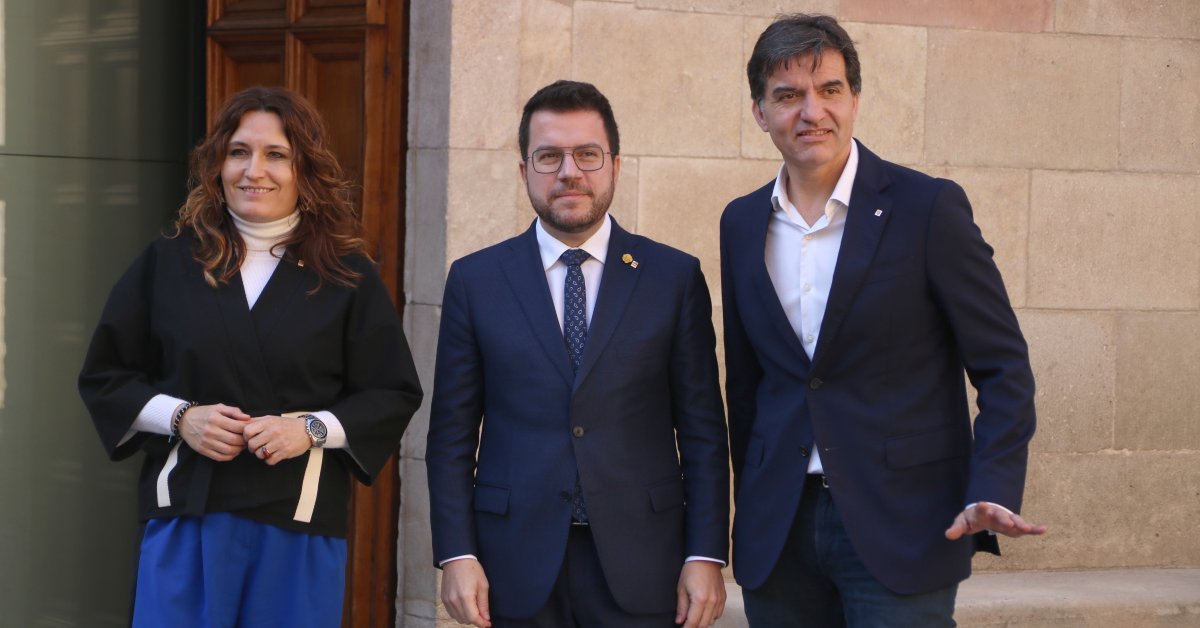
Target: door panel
[237, 60]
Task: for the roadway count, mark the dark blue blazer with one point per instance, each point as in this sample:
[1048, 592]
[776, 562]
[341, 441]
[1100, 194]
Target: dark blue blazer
[642, 422]
[916, 300]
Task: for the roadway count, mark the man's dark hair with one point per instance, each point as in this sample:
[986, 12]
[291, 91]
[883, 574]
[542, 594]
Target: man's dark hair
[790, 37]
[565, 96]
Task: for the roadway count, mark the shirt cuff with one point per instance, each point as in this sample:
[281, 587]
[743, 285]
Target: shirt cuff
[155, 417]
[464, 556]
[974, 504]
[704, 558]
[335, 437]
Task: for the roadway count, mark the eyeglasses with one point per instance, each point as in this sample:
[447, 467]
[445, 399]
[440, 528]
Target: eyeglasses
[549, 160]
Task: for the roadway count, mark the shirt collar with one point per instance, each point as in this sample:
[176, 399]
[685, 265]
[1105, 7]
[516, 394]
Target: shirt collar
[841, 191]
[550, 248]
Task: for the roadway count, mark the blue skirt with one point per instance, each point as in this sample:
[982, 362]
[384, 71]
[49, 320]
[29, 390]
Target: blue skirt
[224, 571]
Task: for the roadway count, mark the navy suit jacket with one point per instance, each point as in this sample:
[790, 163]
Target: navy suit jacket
[916, 299]
[642, 422]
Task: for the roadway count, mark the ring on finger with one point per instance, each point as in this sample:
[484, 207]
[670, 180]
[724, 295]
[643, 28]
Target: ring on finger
[266, 453]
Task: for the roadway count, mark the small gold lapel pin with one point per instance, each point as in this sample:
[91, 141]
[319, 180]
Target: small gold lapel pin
[628, 259]
[878, 212]
[300, 263]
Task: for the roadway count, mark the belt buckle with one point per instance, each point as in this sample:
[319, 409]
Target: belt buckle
[824, 480]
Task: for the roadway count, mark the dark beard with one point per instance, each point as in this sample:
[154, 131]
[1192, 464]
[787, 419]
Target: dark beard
[594, 215]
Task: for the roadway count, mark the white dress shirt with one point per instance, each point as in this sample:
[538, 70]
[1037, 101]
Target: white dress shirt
[801, 257]
[556, 271]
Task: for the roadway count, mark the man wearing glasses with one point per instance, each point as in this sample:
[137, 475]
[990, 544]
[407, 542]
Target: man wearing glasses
[577, 452]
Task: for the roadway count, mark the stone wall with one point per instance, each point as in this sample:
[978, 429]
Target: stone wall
[1072, 124]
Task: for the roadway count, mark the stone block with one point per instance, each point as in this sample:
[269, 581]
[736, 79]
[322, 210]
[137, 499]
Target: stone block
[755, 143]
[480, 209]
[1162, 18]
[485, 64]
[1074, 357]
[523, 214]
[545, 48]
[679, 99]
[421, 324]
[425, 260]
[1000, 201]
[429, 75]
[1117, 598]
[1114, 240]
[987, 15]
[418, 578]
[681, 201]
[1012, 99]
[624, 206]
[1160, 105]
[762, 8]
[891, 107]
[1108, 509]
[1158, 402]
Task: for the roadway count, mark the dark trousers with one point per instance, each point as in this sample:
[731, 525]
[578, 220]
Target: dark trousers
[820, 581]
[581, 597]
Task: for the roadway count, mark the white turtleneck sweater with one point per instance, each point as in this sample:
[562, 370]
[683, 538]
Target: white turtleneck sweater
[256, 270]
[260, 261]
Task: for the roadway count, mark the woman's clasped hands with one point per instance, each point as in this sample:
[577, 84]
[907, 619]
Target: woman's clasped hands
[221, 432]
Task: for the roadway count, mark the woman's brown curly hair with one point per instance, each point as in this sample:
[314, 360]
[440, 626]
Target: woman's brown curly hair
[328, 227]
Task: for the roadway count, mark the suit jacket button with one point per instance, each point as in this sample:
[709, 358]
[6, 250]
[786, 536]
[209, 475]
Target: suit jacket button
[566, 497]
[804, 451]
[815, 383]
[577, 431]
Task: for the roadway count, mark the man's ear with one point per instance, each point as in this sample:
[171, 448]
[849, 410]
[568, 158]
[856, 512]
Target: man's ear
[756, 109]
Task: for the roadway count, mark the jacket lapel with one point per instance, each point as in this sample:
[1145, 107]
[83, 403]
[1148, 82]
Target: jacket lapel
[279, 297]
[525, 274]
[616, 287]
[865, 221]
[768, 298]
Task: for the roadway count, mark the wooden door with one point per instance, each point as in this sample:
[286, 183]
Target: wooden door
[349, 57]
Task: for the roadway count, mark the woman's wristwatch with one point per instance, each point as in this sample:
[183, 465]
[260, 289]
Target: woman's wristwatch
[316, 430]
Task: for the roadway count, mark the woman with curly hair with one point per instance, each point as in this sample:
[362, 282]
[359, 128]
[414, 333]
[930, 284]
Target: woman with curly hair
[255, 357]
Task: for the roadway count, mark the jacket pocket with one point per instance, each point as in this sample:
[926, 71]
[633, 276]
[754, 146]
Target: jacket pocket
[925, 447]
[493, 499]
[667, 495]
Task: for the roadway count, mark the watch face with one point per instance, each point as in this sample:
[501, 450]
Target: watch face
[317, 428]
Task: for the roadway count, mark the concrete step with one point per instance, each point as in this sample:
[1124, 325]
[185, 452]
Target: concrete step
[1120, 598]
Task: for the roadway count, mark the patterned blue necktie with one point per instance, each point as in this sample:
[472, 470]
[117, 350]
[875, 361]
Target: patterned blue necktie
[575, 334]
[574, 306]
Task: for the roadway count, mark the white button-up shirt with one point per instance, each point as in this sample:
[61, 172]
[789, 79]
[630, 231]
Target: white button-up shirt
[801, 257]
[552, 249]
